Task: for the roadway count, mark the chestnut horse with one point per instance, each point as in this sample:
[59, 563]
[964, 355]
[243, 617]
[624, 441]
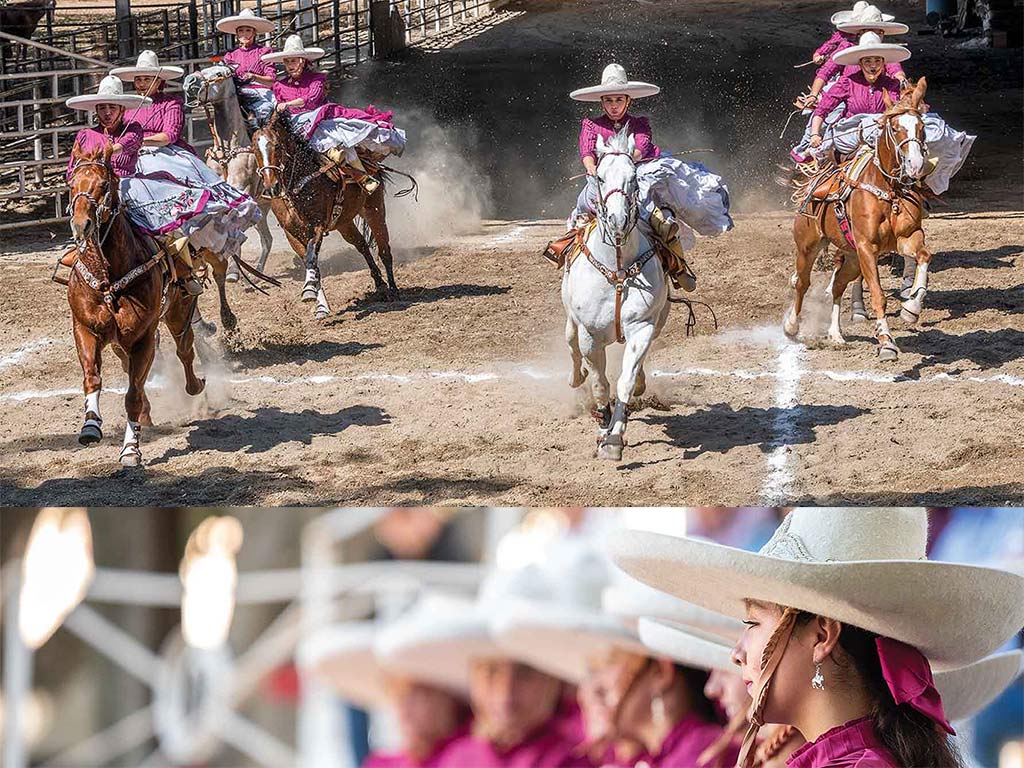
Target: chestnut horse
[116, 291]
[884, 213]
[303, 198]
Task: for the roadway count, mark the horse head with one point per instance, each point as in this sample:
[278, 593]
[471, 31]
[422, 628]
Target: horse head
[617, 185]
[94, 191]
[211, 85]
[902, 150]
[267, 144]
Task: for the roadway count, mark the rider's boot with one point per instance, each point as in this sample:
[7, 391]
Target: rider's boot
[666, 229]
[363, 178]
[187, 279]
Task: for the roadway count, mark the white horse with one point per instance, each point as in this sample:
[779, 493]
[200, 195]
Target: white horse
[215, 87]
[616, 292]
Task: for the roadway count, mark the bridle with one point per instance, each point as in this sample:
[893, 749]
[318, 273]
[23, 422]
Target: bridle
[102, 210]
[200, 96]
[898, 175]
[633, 213]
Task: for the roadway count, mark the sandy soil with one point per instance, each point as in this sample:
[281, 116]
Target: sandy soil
[458, 393]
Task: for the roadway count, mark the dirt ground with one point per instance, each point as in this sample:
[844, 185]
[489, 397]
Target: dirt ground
[458, 394]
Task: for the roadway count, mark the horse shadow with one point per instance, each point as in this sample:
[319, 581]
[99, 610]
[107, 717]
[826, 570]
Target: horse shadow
[991, 258]
[371, 303]
[985, 349]
[431, 490]
[719, 428]
[141, 487]
[300, 353]
[965, 496]
[961, 302]
[266, 428]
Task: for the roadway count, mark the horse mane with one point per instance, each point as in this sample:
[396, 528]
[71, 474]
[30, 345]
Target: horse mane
[910, 100]
[303, 159]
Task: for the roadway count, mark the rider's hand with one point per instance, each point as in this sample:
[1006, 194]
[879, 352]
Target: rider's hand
[816, 140]
[818, 58]
[280, 108]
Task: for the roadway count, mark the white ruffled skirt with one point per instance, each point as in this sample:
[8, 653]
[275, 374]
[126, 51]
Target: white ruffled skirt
[347, 133]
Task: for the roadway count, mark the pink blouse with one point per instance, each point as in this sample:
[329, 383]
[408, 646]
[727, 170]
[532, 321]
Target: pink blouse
[830, 69]
[123, 162]
[165, 115]
[247, 62]
[859, 96]
[402, 760]
[854, 745]
[311, 87]
[687, 740]
[553, 746]
[831, 45]
[603, 126]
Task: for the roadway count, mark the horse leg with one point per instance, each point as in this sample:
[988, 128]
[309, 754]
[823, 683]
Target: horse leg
[140, 360]
[867, 255]
[841, 278]
[808, 243]
[220, 271]
[145, 418]
[595, 359]
[178, 323]
[572, 338]
[376, 218]
[913, 248]
[858, 314]
[266, 240]
[354, 237]
[636, 348]
[313, 289]
[88, 347]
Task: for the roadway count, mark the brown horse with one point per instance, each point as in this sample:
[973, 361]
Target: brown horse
[116, 291]
[882, 213]
[304, 200]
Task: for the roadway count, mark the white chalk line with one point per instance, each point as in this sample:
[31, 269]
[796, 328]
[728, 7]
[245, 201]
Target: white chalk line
[21, 353]
[539, 375]
[789, 373]
[516, 233]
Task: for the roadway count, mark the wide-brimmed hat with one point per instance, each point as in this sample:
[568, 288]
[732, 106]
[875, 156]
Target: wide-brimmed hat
[148, 64]
[343, 657]
[615, 83]
[871, 18]
[111, 91]
[965, 691]
[246, 18]
[871, 45]
[842, 17]
[864, 567]
[295, 48]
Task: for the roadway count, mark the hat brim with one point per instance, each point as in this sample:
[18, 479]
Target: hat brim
[633, 89]
[229, 24]
[342, 657]
[844, 17]
[954, 614]
[886, 27]
[560, 640]
[309, 54]
[628, 604]
[90, 102]
[891, 52]
[687, 645]
[164, 73]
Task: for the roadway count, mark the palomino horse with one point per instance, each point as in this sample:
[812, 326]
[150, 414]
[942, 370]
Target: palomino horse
[614, 292]
[116, 290]
[309, 204]
[884, 214]
[232, 158]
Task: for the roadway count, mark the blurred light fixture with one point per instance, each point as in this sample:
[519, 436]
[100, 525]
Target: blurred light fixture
[37, 717]
[1012, 755]
[209, 577]
[655, 519]
[530, 541]
[55, 572]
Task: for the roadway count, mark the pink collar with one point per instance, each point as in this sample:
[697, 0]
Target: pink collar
[839, 745]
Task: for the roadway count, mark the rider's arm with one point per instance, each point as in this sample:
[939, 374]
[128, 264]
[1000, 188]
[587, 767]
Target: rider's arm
[642, 138]
[590, 164]
[588, 146]
[172, 118]
[816, 122]
[283, 105]
[265, 80]
[157, 140]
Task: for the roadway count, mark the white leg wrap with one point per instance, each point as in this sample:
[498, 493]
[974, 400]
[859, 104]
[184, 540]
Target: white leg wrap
[831, 282]
[131, 432]
[92, 402]
[882, 328]
[920, 278]
[835, 332]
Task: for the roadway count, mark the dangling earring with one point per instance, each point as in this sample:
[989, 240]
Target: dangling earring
[658, 710]
[818, 681]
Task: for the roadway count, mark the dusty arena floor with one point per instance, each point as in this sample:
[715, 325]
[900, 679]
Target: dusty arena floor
[458, 393]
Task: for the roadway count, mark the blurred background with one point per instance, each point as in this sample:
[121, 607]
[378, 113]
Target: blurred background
[176, 637]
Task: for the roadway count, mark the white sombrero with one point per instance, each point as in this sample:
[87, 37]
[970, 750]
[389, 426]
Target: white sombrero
[343, 657]
[865, 567]
[111, 91]
[965, 691]
[245, 19]
[148, 64]
[615, 83]
[871, 45]
[842, 17]
[870, 18]
[294, 48]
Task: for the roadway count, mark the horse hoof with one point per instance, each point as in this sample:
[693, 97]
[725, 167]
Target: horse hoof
[610, 448]
[195, 388]
[320, 314]
[791, 327]
[130, 457]
[145, 420]
[908, 316]
[309, 294]
[888, 352]
[230, 322]
[90, 435]
[836, 338]
[393, 295]
[231, 277]
[858, 316]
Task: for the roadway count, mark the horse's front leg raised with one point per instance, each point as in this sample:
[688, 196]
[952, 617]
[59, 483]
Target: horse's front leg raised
[179, 322]
[638, 344]
[140, 360]
[913, 248]
[867, 255]
[808, 242]
[88, 347]
[313, 289]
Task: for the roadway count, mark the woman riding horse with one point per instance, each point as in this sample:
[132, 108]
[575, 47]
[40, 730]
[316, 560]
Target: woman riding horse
[850, 24]
[222, 213]
[861, 94]
[331, 128]
[254, 77]
[675, 197]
